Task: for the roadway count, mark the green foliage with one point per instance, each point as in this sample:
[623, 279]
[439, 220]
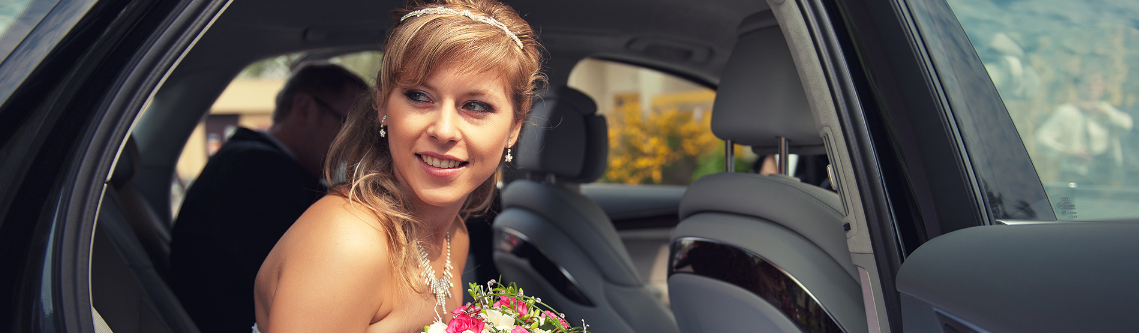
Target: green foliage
[508, 305]
[714, 163]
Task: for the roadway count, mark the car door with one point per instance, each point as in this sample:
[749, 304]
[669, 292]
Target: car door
[1060, 262]
[945, 109]
[74, 76]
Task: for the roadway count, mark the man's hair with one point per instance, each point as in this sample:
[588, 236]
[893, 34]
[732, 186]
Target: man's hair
[315, 78]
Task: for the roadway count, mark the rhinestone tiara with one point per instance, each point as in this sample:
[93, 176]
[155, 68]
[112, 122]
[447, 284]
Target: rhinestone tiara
[444, 10]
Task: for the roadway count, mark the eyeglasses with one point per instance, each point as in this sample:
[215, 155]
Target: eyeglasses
[328, 108]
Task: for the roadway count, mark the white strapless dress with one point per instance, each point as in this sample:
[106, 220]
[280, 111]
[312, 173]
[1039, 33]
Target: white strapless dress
[255, 330]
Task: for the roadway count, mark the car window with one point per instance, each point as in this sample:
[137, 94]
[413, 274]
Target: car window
[659, 124]
[248, 102]
[1068, 74]
[41, 22]
[9, 11]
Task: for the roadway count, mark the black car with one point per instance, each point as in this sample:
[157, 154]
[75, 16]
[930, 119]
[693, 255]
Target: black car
[972, 163]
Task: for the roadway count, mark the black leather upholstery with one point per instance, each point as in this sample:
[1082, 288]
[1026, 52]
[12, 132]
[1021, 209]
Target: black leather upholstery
[552, 142]
[761, 87]
[126, 287]
[568, 143]
[592, 227]
[770, 245]
[794, 226]
[816, 213]
[153, 231]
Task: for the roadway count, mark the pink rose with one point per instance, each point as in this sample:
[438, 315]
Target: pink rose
[462, 322]
[511, 303]
[519, 329]
[462, 309]
[549, 314]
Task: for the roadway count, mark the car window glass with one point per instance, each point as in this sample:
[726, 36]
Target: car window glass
[365, 64]
[248, 102]
[9, 11]
[1068, 73]
[659, 124]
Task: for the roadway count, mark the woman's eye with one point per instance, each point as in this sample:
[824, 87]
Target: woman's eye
[416, 96]
[478, 107]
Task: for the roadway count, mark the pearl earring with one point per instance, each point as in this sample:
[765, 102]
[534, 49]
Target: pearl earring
[509, 157]
[383, 133]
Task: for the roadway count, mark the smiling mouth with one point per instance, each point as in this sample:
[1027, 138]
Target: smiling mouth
[441, 163]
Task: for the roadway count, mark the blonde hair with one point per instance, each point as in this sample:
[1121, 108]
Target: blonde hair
[414, 48]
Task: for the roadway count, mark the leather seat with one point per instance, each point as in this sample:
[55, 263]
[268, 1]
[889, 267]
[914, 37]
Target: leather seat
[153, 231]
[760, 253]
[126, 287]
[556, 243]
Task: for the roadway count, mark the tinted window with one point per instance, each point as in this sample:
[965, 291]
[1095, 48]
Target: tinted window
[1068, 74]
[42, 23]
[659, 125]
[9, 11]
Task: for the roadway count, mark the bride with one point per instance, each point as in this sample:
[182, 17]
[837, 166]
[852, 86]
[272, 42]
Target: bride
[384, 251]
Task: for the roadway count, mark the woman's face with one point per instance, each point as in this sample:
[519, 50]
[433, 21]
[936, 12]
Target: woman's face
[448, 134]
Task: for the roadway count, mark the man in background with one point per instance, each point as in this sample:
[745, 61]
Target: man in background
[250, 192]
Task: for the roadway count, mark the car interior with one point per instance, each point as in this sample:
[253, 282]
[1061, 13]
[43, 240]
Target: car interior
[552, 238]
[585, 248]
[731, 220]
[955, 165]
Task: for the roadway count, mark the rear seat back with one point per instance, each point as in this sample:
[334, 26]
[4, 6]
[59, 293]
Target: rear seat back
[126, 287]
[152, 230]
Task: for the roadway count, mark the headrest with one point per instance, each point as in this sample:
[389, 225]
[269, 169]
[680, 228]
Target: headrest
[761, 97]
[127, 165]
[564, 137]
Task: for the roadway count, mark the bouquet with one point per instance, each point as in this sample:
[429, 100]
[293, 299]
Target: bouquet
[504, 309]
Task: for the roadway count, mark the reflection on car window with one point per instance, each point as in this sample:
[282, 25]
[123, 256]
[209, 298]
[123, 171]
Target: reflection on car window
[1063, 70]
[13, 26]
[659, 125]
[9, 12]
[248, 102]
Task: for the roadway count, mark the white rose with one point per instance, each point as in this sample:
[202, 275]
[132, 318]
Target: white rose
[499, 320]
[437, 327]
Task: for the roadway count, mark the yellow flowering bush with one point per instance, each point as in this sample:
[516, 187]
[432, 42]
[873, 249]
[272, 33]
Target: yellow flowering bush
[669, 145]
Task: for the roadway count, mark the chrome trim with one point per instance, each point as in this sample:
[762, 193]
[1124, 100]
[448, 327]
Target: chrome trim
[868, 295]
[830, 176]
[1022, 222]
[783, 151]
[750, 271]
[518, 245]
[729, 156]
[1031, 222]
[948, 320]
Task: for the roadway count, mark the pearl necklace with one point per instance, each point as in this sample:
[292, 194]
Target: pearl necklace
[440, 287]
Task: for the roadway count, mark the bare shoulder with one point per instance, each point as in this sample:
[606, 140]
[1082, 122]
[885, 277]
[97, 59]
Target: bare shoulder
[333, 228]
[328, 271]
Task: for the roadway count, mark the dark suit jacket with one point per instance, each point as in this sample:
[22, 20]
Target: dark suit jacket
[247, 196]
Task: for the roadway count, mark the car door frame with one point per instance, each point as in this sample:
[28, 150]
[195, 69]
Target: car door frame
[909, 178]
[75, 110]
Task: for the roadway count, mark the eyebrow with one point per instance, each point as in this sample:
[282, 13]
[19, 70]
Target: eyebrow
[471, 93]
